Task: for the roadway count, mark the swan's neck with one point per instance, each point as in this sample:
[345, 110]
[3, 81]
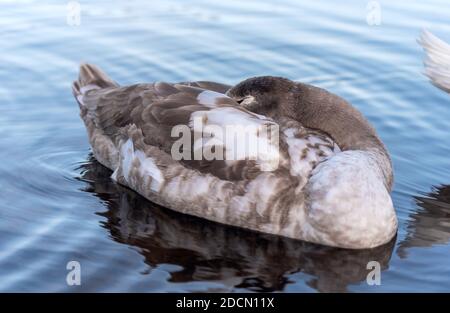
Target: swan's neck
[318, 109]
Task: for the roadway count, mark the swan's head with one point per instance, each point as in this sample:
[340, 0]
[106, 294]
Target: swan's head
[261, 94]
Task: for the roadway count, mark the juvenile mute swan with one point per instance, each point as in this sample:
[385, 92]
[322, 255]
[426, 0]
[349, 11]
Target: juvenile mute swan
[326, 177]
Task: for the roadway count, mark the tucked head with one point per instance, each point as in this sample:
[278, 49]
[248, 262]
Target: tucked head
[313, 108]
[260, 94]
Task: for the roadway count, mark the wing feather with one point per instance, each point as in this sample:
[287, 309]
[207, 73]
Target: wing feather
[437, 60]
[157, 108]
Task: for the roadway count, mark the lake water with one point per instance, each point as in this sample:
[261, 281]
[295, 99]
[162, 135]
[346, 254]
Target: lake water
[58, 204]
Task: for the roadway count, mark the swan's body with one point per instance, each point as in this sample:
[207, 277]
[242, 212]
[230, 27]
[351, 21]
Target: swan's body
[327, 181]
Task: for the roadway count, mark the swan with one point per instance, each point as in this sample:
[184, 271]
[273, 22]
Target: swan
[322, 175]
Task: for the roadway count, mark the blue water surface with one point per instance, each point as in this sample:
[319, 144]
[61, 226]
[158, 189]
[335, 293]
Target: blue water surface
[57, 204]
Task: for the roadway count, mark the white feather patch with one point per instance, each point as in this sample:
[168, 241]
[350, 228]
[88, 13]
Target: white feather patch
[127, 154]
[80, 99]
[437, 61]
[243, 135]
[147, 167]
[208, 98]
[88, 87]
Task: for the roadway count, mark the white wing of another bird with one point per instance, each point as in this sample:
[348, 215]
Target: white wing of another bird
[437, 60]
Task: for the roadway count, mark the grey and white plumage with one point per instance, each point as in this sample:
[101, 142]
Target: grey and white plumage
[333, 178]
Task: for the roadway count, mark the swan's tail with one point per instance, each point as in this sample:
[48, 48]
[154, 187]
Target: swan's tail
[90, 77]
[437, 60]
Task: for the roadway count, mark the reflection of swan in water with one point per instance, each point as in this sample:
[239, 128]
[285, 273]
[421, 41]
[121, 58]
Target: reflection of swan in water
[430, 225]
[211, 251]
